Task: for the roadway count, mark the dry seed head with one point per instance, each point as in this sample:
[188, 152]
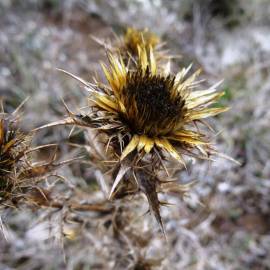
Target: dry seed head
[129, 44]
[153, 108]
[19, 174]
[13, 146]
[148, 114]
[135, 38]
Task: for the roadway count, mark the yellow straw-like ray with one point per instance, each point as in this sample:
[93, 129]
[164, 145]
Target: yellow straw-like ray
[141, 143]
[204, 100]
[143, 59]
[205, 113]
[145, 143]
[116, 76]
[188, 140]
[181, 74]
[149, 144]
[153, 64]
[131, 146]
[188, 83]
[165, 144]
[105, 102]
[187, 133]
[201, 93]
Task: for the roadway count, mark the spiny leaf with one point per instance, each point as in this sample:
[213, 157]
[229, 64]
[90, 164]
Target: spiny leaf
[122, 171]
[148, 185]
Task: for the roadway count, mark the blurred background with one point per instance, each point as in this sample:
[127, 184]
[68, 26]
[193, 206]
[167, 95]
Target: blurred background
[228, 39]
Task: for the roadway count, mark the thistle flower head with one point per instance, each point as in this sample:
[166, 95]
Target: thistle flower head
[149, 114]
[129, 44]
[154, 108]
[135, 38]
[19, 175]
[13, 145]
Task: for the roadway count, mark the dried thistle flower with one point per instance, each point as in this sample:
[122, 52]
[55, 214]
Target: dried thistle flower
[153, 110]
[13, 146]
[19, 174]
[135, 38]
[128, 44]
[148, 115]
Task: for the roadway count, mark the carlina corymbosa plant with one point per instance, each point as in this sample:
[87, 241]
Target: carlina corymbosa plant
[150, 117]
[20, 174]
[127, 45]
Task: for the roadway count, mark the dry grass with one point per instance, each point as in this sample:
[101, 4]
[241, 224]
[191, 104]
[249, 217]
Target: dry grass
[79, 228]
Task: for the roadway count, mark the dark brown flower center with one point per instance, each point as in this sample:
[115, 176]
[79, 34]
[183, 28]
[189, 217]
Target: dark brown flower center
[152, 95]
